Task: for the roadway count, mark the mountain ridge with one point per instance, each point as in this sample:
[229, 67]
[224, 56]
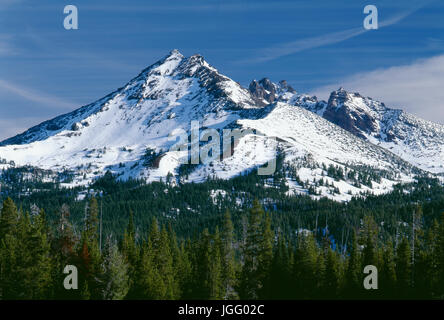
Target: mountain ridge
[120, 131]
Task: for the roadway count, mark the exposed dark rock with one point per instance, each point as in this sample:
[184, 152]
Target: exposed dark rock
[352, 120]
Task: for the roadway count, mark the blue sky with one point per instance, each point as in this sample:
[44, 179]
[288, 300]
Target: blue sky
[315, 45]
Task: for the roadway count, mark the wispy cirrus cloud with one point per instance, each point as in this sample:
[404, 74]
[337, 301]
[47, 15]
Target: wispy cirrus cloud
[284, 49]
[12, 127]
[16, 121]
[34, 96]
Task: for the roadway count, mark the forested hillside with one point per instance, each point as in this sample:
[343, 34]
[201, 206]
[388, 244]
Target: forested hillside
[259, 261]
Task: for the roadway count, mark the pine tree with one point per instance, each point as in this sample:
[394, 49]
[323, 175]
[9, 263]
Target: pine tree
[419, 256]
[131, 253]
[202, 286]
[92, 221]
[8, 218]
[115, 280]
[177, 261]
[433, 260]
[155, 272]
[90, 256]
[353, 281]
[369, 239]
[307, 267]
[65, 239]
[250, 283]
[228, 259]
[85, 293]
[388, 272]
[63, 253]
[184, 274]
[280, 274]
[149, 284]
[41, 264]
[9, 246]
[265, 258]
[164, 261]
[440, 258]
[11, 251]
[403, 268]
[216, 288]
[332, 275]
[319, 278]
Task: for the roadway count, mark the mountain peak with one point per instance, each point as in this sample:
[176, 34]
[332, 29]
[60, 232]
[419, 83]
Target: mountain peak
[172, 85]
[176, 90]
[338, 97]
[175, 53]
[264, 91]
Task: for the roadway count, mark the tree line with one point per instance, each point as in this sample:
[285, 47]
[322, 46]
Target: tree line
[261, 262]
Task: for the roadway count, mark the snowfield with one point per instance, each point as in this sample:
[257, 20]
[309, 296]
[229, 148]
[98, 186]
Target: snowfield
[131, 131]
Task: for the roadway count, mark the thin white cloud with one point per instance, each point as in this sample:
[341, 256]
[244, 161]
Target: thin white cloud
[12, 127]
[416, 88]
[34, 96]
[288, 48]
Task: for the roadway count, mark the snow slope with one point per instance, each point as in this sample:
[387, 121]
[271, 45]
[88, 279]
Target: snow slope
[131, 131]
[415, 140]
[309, 142]
[117, 129]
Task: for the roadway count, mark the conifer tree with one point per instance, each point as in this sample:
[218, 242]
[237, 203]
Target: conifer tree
[403, 268]
[280, 274]
[228, 258]
[369, 239]
[164, 262]
[9, 247]
[434, 263]
[8, 218]
[41, 264]
[265, 257]
[320, 275]
[84, 268]
[130, 251]
[250, 283]
[149, 284]
[332, 276]
[177, 262]
[440, 258]
[388, 272]
[65, 239]
[115, 280]
[216, 288]
[12, 239]
[90, 252]
[92, 221]
[184, 274]
[353, 281]
[63, 253]
[307, 267]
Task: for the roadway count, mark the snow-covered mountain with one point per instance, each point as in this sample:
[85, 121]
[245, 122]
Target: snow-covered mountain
[264, 91]
[131, 131]
[118, 129]
[415, 140]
